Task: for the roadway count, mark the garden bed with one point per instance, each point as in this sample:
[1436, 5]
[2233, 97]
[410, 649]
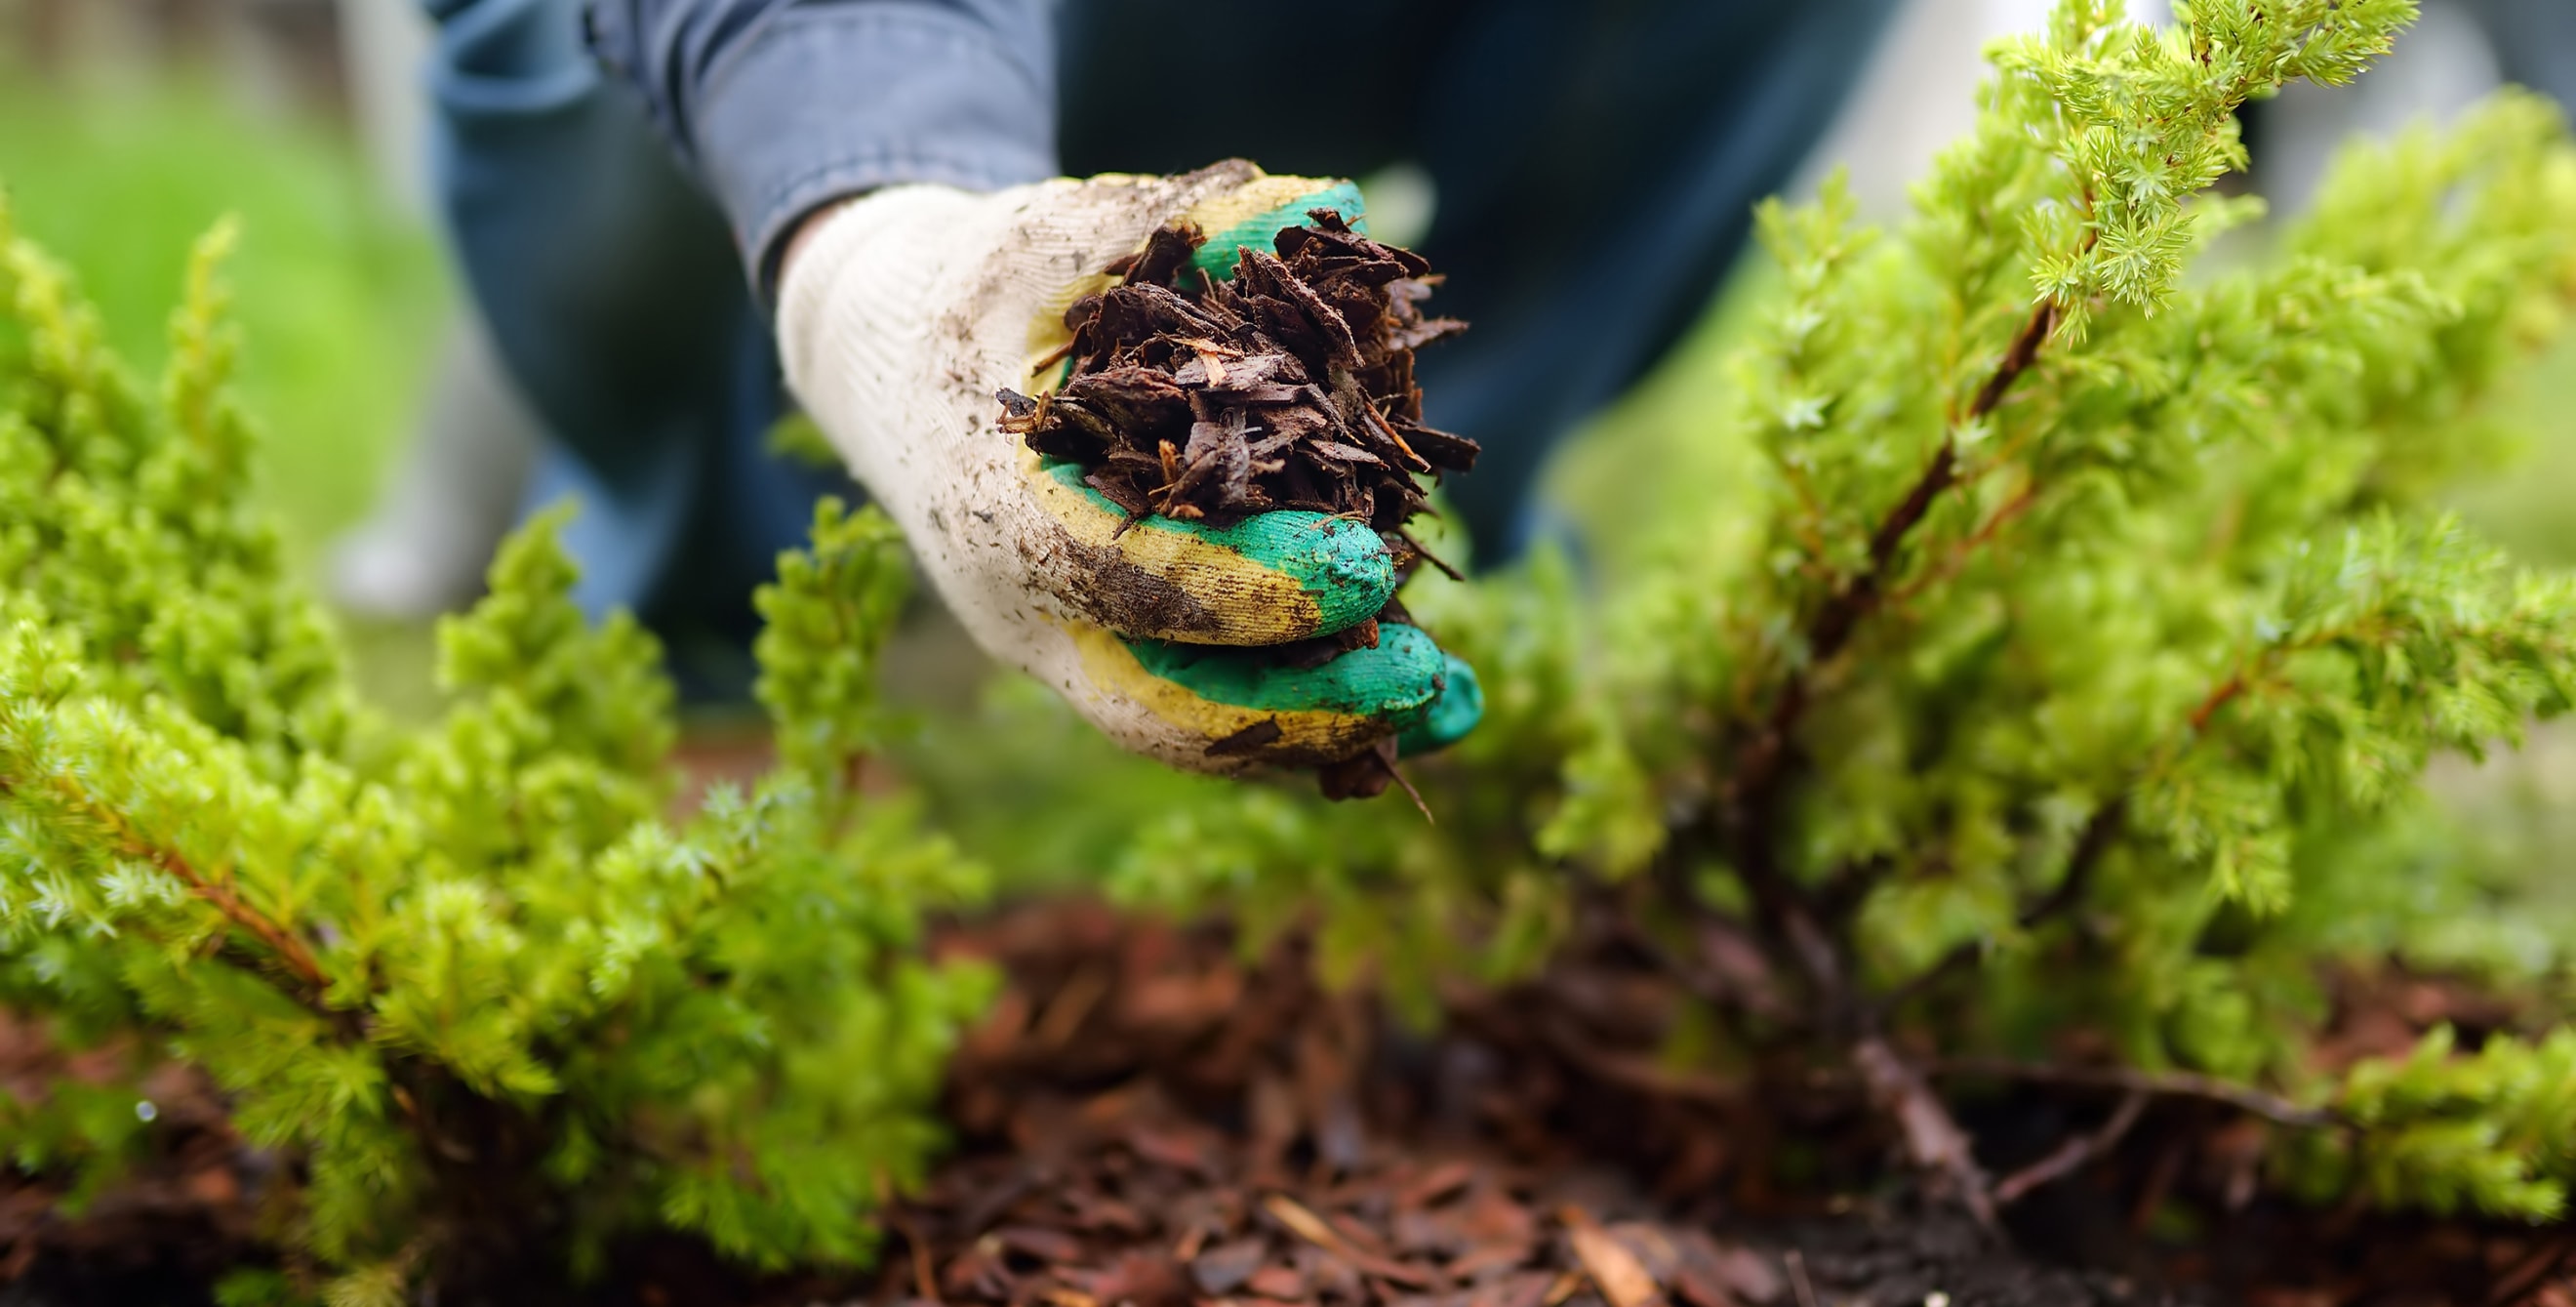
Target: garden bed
[1148, 1118]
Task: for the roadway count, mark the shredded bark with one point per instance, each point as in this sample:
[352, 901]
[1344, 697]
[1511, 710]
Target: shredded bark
[1152, 1114]
[1289, 386]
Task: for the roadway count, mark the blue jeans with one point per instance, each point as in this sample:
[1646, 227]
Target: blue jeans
[2535, 42]
[1595, 163]
[615, 301]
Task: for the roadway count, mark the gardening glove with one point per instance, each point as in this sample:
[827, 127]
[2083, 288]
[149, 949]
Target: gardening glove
[900, 316]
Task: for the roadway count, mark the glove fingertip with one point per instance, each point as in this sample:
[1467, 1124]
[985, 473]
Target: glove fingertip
[1459, 706]
[1342, 565]
[1268, 579]
[1254, 215]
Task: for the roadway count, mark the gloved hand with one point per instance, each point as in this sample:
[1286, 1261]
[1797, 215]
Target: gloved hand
[902, 313]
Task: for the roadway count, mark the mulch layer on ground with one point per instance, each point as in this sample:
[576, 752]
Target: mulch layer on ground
[1149, 1120]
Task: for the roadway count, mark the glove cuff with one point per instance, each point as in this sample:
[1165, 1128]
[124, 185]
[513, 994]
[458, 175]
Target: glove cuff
[856, 305]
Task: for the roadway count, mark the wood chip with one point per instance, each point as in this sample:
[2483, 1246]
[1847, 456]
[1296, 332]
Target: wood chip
[1302, 1223]
[1315, 1230]
[1226, 1267]
[1311, 343]
[1622, 1279]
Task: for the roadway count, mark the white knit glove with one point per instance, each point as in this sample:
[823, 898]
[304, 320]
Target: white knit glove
[900, 316]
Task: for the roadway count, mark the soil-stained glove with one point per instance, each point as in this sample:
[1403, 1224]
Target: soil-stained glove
[900, 316]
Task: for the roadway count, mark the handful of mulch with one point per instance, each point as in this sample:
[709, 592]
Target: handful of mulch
[1289, 386]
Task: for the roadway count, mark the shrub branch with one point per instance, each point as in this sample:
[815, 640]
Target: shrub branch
[1761, 764]
[1752, 818]
[284, 946]
[2160, 1084]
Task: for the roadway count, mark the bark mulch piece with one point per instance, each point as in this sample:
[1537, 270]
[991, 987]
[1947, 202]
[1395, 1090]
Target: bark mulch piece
[1155, 1123]
[1149, 1118]
[1288, 386]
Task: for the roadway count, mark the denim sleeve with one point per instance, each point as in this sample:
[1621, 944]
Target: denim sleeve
[780, 106]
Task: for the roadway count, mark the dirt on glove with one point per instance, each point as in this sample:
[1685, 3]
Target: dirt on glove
[1289, 386]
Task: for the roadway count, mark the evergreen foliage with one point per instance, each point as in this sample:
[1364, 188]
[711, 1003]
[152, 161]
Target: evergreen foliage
[490, 998]
[2071, 667]
[2060, 674]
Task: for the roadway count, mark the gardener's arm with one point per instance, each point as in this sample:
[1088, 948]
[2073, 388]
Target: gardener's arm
[780, 106]
[933, 283]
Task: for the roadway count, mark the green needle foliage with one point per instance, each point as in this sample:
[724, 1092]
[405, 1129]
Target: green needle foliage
[492, 1002]
[2068, 673]
[2060, 674]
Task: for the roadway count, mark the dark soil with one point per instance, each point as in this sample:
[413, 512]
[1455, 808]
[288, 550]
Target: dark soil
[1148, 1119]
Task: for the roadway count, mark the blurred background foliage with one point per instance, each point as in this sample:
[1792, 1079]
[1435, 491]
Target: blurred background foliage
[338, 289]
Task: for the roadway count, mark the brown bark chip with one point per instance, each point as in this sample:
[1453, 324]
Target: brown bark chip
[1153, 1116]
[1615, 1270]
[1225, 1121]
[1289, 385]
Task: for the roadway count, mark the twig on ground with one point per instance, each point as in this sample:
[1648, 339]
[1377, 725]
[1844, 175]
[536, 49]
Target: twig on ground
[2069, 1157]
[1797, 1263]
[2516, 1281]
[2159, 1084]
[1933, 1139]
[925, 1277]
